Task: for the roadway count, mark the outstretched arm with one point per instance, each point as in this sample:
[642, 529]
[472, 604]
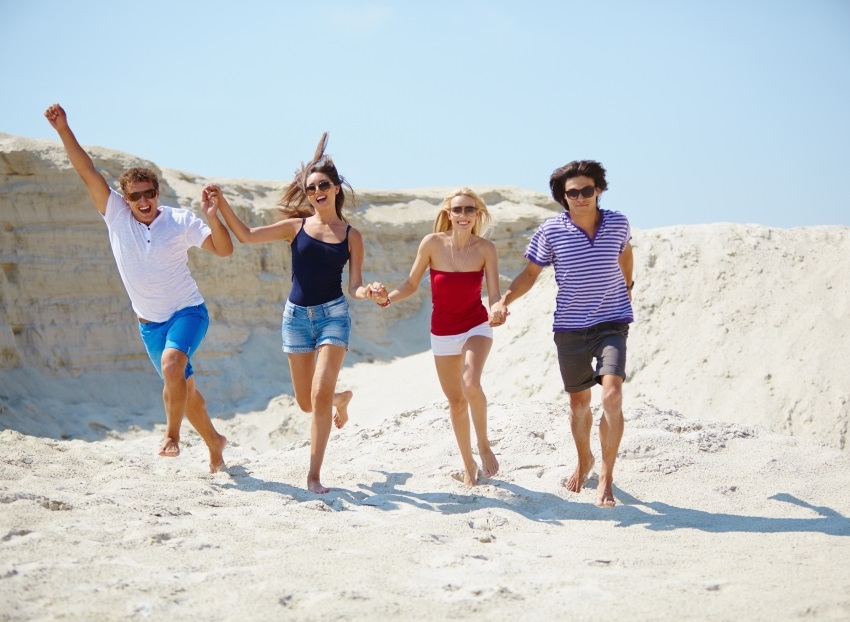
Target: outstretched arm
[420, 264]
[219, 242]
[80, 160]
[627, 264]
[520, 286]
[282, 230]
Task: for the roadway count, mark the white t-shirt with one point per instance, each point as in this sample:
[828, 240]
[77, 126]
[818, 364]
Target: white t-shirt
[152, 260]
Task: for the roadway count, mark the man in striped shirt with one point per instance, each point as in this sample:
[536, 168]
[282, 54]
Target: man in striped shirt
[590, 251]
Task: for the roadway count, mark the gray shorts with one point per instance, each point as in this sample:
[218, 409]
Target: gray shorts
[606, 342]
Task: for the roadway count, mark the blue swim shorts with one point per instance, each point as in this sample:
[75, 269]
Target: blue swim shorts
[183, 331]
[306, 328]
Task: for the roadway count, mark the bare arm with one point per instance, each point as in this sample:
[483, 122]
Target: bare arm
[356, 289]
[80, 160]
[283, 230]
[520, 286]
[491, 274]
[627, 264]
[420, 264]
[219, 242]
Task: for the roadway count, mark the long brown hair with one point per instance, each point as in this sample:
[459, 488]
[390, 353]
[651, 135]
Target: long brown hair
[444, 220]
[294, 202]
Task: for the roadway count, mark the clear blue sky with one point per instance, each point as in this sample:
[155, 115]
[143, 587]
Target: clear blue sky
[712, 111]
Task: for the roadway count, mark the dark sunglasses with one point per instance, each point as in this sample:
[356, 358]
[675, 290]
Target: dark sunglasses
[323, 187]
[148, 194]
[586, 192]
[468, 210]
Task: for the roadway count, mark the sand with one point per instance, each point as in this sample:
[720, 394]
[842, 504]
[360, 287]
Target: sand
[731, 481]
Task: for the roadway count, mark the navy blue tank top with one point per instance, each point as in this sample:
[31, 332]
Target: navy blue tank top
[316, 269]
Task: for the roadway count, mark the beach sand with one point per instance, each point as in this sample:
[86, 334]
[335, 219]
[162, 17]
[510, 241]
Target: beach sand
[731, 481]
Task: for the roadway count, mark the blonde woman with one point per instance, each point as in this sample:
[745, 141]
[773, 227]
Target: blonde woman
[459, 259]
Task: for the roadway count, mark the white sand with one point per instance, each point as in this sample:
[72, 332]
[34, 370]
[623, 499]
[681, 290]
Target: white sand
[732, 485]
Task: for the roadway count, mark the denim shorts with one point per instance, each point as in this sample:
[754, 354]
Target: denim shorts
[183, 331]
[606, 342]
[306, 328]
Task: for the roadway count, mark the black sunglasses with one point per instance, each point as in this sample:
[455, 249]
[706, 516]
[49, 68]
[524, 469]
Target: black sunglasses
[148, 194]
[586, 192]
[469, 210]
[323, 187]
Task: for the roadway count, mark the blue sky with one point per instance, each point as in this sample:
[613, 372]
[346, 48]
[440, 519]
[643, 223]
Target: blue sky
[714, 111]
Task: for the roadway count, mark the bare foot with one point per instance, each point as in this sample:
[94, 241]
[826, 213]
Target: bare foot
[489, 464]
[316, 486]
[341, 401]
[216, 457]
[170, 448]
[466, 478]
[582, 472]
[605, 493]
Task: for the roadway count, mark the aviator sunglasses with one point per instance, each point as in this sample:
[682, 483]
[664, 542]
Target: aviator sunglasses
[467, 210]
[150, 193]
[586, 192]
[323, 187]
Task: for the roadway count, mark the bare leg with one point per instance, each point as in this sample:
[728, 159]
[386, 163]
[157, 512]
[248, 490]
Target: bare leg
[302, 368]
[180, 396]
[450, 372]
[610, 434]
[328, 363]
[174, 395]
[475, 353]
[196, 413]
[581, 421]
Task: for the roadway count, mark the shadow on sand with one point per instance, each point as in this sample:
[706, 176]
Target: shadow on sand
[389, 494]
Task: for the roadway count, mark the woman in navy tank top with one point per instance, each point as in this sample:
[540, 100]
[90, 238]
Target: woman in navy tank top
[316, 323]
[459, 260]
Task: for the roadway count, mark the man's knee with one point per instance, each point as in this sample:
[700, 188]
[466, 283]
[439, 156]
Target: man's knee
[612, 393]
[174, 367]
[580, 401]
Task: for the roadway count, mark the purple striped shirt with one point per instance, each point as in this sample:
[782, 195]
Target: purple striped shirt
[591, 288]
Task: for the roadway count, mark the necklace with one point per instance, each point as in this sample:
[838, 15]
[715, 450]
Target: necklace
[463, 261]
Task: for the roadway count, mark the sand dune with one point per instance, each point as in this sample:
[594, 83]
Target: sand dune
[731, 480]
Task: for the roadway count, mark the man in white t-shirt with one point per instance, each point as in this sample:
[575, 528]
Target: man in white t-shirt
[150, 244]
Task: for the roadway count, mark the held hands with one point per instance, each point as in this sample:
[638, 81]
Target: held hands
[498, 314]
[378, 292]
[57, 118]
[210, 196]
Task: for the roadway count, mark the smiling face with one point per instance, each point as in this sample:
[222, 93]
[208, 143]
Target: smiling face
[463, 212]
[144, 209]
[321, 191]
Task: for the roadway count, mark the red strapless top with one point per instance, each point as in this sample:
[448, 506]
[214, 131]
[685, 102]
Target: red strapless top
[456, 300]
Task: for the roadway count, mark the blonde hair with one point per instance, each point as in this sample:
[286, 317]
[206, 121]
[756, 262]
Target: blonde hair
[444, 220]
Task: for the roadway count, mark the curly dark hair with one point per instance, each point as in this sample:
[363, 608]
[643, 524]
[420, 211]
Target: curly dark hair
[576, 168]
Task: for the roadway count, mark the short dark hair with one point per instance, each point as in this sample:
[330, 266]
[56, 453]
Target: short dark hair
[137, 173]
[576, 168]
